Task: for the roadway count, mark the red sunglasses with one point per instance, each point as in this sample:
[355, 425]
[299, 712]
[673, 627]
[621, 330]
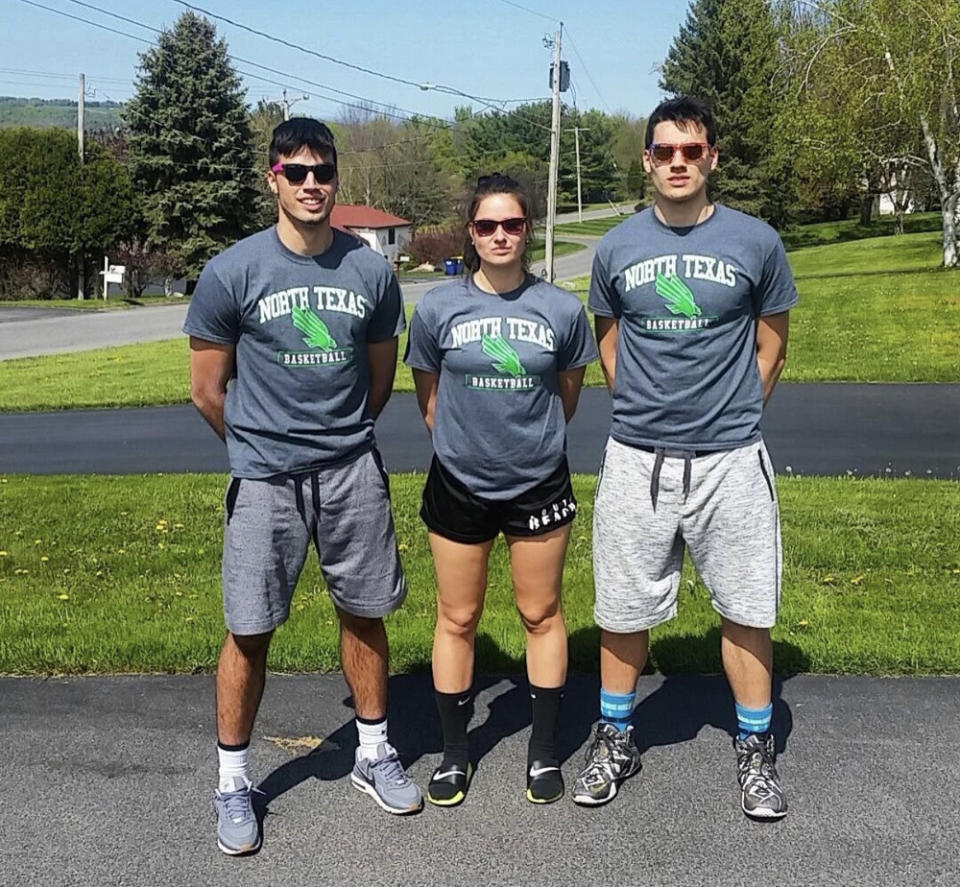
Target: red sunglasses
[486, 227]
[664, 152]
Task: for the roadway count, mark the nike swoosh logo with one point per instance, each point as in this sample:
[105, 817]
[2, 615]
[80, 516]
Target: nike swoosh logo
[540, 771]
[463, 701]
[449, 773]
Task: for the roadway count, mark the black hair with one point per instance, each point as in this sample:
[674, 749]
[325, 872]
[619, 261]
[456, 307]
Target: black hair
[302, 132]
[495, 183]
[683, 109]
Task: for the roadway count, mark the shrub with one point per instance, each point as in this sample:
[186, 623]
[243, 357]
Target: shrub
[436, 245]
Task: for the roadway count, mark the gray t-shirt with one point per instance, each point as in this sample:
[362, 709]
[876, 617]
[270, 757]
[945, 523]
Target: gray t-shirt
[301, 326]
[688, 300]
[499, 426]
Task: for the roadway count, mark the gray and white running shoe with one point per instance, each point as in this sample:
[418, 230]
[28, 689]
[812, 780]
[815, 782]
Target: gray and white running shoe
[238, 830]
[761, 795]
[612, 757]
[386, 782]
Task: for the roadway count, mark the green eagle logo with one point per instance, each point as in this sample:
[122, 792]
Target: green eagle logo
[678, 296]
[505, 358]
[317, 334]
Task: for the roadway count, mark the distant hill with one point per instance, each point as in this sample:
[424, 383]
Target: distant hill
[61, 113]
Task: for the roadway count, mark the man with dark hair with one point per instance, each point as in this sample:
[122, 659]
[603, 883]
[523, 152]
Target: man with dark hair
[293, 349]
[692, 303]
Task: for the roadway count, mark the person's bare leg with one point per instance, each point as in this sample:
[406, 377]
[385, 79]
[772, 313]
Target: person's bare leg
[364, 655]
[747, 655]
[241, 674]
[622, 659]
[537, 566]
[461, 587]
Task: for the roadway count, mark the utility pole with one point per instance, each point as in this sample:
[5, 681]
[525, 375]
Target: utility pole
[83, 89]
[576, 135]
[287, 103]
[554, 154]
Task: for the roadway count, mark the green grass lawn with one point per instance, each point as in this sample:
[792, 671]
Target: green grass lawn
[114, 303]
[127, 578]
[821, 233]
[591, 227]
[560, 248]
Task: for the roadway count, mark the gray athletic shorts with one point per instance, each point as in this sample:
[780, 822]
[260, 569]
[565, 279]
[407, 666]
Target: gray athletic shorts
[722, 506]
[344, 510]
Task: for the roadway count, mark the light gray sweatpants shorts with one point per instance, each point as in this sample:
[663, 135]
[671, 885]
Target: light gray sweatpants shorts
[344, 510]
[650, 505]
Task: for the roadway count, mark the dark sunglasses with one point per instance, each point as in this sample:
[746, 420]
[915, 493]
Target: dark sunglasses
[664, 152]
[296, 173]
[486, 227]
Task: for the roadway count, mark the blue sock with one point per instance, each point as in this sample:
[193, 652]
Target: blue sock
[753, 720]
[617, 708]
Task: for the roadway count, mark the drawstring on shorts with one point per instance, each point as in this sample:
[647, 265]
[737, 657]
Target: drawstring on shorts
[660, 452]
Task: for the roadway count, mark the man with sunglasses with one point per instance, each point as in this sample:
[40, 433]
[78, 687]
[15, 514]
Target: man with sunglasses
[691, 301]
[293, 338]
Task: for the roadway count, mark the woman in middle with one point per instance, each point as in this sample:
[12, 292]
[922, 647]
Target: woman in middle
[498, 359]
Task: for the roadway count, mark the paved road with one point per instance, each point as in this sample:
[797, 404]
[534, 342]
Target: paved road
[108, 781]
[885, 430]
[30, 332]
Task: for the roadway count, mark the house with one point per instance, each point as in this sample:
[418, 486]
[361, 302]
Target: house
[382, 232]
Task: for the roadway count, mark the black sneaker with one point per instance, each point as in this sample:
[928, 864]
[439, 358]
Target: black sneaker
[761, 795]
[448, 785]
[612, 757]
[544, 782]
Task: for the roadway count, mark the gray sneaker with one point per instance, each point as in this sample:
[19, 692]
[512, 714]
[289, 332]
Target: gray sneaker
[761, 795]
[386, 781]
[612, 757]
[238, 830]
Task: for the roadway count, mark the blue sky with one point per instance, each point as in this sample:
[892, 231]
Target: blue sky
[492, 49]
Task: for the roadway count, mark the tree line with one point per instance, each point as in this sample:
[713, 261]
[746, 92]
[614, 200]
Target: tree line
[821, 105]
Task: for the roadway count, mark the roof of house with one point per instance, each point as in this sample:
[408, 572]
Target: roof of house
[363, 217]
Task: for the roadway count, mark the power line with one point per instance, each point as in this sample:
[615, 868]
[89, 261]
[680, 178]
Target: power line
[487, 100]
[549, 18]
[425, 120]
[586, 70]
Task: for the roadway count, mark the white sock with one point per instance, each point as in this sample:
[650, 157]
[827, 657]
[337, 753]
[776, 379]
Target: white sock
[371, 735]
[234, 769]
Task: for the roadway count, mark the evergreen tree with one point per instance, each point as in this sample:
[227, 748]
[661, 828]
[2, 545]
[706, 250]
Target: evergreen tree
[191, 146]
[727, 52]
[635, 179]
[58, 221]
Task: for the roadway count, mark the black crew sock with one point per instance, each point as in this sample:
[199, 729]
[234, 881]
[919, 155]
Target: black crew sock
[545, 702]
[455, 710]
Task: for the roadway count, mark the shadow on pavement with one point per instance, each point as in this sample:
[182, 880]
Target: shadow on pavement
[676, 711]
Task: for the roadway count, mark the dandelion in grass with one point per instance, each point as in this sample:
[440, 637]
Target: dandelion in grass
[44, 560]
[38, 541]
[3, 554]
[63, 597]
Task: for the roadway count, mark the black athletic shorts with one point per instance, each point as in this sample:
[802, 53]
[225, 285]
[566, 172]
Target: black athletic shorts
[452, 511]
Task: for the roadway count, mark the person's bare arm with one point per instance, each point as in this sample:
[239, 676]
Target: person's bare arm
[382, 357]
[608, 334]
[426, 384]
[571, 382]
[211, 367]
[772, 333]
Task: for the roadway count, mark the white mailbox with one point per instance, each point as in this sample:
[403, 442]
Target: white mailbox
[111, 274]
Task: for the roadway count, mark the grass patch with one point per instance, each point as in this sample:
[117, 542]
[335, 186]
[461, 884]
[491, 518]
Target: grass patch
[591, 227]
[114, 303]
[911, 252]
[560, 248]
[128, 579]
[821, 233]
